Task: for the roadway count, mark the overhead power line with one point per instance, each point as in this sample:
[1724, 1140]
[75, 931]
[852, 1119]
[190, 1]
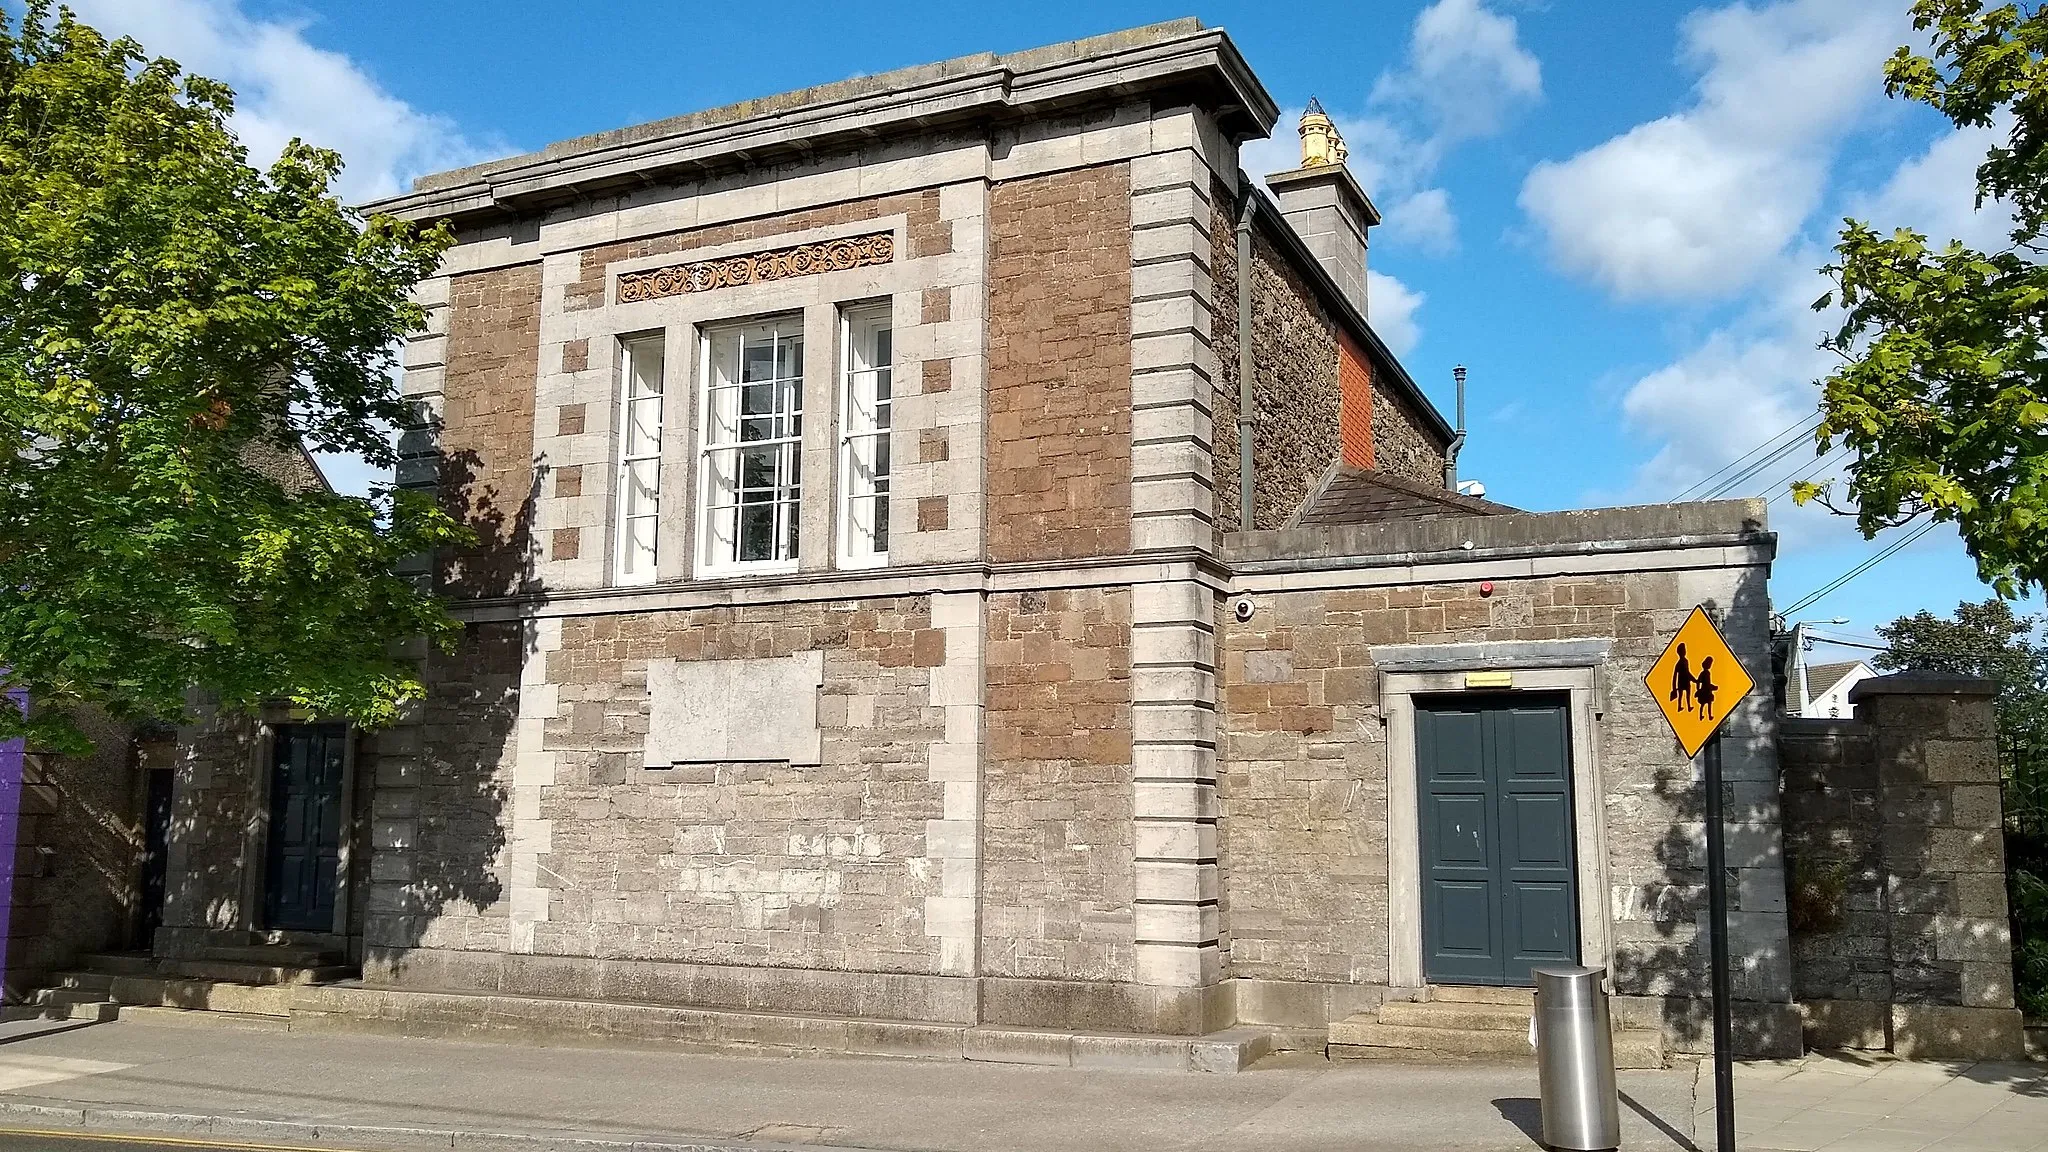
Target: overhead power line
[1741, 479]
[1831, 461]
[1832, 586]
[1797, 427]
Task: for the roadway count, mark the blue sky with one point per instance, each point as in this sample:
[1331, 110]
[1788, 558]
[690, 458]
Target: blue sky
[1611, 211]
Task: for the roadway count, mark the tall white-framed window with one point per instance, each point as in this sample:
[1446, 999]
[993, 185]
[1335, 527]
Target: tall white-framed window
[751, 473]
[641, 380]
[864, 402]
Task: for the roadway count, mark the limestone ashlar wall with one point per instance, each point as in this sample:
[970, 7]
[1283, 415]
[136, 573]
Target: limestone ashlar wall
[761, 863]
[1059, 365]
[442, 810]
[1894, 836]
[1295, 390]
[1058, 834]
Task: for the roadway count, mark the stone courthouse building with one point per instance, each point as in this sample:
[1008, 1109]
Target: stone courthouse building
[958, 573]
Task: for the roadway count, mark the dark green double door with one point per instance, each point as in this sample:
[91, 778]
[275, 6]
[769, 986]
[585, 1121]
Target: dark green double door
[1499, 884]
[304, 858]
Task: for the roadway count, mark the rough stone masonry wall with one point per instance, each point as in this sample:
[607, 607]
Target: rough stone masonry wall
[1834, 862]
[486, 438]
[1896, 855]
[1057, 842]
[1295, 391]
[78, 854]
[1400, 446]
[746, 863]
[1304, 775]
[1059, 365]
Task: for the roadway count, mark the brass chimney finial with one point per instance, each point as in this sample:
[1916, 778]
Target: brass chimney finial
[1321, 143]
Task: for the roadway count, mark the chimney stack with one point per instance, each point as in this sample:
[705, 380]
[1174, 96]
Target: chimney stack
[1325, 205]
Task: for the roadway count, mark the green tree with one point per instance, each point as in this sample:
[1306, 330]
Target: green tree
[1989, 640]
[176, 328]
[1940, 393]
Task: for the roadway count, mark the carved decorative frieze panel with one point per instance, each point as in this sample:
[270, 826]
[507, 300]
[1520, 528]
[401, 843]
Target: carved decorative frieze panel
[758, 267]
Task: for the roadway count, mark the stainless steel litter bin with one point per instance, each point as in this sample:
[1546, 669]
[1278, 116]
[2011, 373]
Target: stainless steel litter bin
[1575, 1060]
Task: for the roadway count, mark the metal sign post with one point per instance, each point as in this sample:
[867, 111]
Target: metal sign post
[1717, 916]
[1696, 683]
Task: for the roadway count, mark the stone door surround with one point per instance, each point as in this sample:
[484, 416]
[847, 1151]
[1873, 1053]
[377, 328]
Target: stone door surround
[1573, 667]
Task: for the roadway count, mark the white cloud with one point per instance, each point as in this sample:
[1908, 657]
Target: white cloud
[1425, 220]
[1466, 67]
[1699, 203]
[287, 87]
[1923, 193]
[1465, 73]
[1758, 374]
[1393, 308]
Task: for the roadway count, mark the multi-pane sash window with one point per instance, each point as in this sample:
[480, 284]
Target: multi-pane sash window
[752, 444]
[864, 436]
[639, 478]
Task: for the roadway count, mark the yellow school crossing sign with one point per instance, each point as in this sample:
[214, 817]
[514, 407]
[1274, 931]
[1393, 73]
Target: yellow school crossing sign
[1697, 682]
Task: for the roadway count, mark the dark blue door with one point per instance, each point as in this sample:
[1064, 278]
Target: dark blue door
[1499, 892]
[305, 827]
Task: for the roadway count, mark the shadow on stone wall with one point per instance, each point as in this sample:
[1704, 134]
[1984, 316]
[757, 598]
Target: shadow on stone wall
[1676, 964]
[439, 816]
[78, 855]
[1894, 835]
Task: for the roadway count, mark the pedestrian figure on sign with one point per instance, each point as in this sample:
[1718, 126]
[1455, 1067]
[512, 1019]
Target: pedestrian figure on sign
[1703, 688]
[1682, 682]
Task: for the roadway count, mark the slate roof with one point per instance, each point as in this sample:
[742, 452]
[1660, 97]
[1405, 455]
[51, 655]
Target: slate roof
[1368, 496]
[1821, 677]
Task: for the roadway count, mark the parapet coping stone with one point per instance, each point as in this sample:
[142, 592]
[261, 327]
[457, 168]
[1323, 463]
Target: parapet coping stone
[1923, 684]
[1694, 524]
[1113, 63]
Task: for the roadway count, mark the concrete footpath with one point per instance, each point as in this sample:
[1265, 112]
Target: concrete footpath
[375, 1092]
[369, 1092]
[1869, 1103]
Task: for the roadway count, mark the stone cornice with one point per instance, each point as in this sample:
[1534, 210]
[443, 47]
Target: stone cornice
[1167, 565]
[975, 89]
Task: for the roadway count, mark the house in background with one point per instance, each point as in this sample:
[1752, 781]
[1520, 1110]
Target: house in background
[959, 574]
[1825, 688]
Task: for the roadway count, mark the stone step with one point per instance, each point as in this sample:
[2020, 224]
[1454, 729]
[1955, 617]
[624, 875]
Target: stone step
[1480, 994]
[119, 963]
[531, 1019]
[60, 996]
[1363, 1038]
[97, 982]
[231, 971]
[97, 1011]
[275, 955]
[195, 1018]
[239, 973]
[211, 995]
[1457, 1014]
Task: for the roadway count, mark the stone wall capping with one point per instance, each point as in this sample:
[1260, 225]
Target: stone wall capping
[1721, 523]
[979, 88]
[1923, 684]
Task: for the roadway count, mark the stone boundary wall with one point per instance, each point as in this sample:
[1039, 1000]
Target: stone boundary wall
[1896, 872]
